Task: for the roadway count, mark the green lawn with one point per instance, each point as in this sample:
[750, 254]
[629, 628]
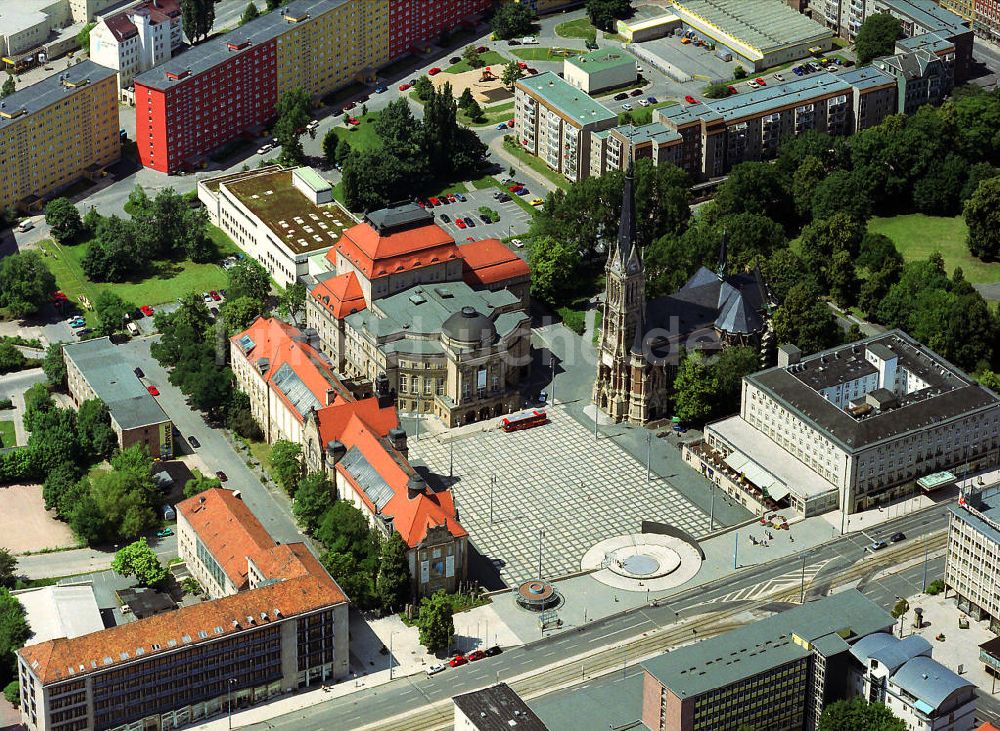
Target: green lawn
[580, 28]
[165, 283]
[490, 58]
[7, 436]
[492, 115]
[536, 164]
[917, 236]
[643, 115]
[361, 136]
[544, 54]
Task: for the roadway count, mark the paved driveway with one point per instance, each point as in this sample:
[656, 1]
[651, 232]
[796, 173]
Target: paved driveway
[513, 218]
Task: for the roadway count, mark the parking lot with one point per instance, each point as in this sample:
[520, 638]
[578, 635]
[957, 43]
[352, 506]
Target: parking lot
[513, 218]
[702, 64]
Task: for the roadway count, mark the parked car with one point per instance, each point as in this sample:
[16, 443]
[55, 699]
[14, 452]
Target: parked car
[513, 42]
[475, 655]
[515, 187]
[635, 92]
[627, 107]
[313, 124]
[760, 81]
[502, 125]
[460, 223]
[503, 198]
[84, 331]
[381, 89]
[436, 668]
[153, 390]
[223, 477]
[643, 103]
[493, 651]
[446, 218]
[147, 310]
[455, 59]
[779, 77]
[732, 89]
[690, 99]
[164, 532]
[753, 84]
[77, 323]
[510, 123]
[469, 222]
[138, 372]
[877, 546]
[620, 96]
[591, 45]
[434, 71]
[215, 296]
[434, 201]
[26, 225]
[461, 197]
[536, 201]
[481, 49]
[193, 441]
[897, 537]
[349, 106]
[264, 149]
[651, 99]
[523, 191]
[458, 661]
[529, 41]
[404, 87]
[797, 70]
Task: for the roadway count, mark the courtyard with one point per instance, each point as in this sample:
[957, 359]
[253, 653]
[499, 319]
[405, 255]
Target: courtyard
[25, 524]
[555, 483]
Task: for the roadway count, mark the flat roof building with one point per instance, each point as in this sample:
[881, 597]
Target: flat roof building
[598, 70]
[972, 568]
[921, 17]
[494, 708]
[60, 611]
[56, 132]
[95, 370]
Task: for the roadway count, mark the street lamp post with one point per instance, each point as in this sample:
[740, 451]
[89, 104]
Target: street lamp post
[493, 482]
[711, 517]
[552, 384]
[451, 458]
[802, 584]
[541, 534]
[391, 635]
[649, 445]
[229, 700]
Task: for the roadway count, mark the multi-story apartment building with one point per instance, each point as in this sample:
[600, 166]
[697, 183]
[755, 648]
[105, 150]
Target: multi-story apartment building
[612, 149]
[57, 131]
[853, 426]
[231, 84]
[776, 673]
[273, 216]
[137, 39]
[874, 96]
[920, 17]
[972, 570]
[446, 324]
[554, 121]
[287, 630]
[983, 15]
[94, 370]
[923, 70]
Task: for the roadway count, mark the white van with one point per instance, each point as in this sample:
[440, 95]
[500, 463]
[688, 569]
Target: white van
[133, 329]
[529, 41]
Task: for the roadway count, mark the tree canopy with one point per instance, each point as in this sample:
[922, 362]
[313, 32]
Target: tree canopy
[982, 215]
[877, 37]
[139, 560]
[512, 20]
[436, 621]
[286, 465]
[857, 714]
[603, 14]
[25, 283]
[64, 220]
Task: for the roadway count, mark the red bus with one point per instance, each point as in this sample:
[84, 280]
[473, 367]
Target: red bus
[524, 420]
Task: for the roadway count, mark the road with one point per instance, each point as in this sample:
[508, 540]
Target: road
[13, 386]
[843, 559]
[84, 560]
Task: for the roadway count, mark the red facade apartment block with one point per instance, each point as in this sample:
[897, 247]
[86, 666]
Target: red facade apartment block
[413, 23]
[196, 113]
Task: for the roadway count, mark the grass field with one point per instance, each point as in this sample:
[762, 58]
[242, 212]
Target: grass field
[7, 436]
[579, 28]
[536, 164]
[165, 283]
[643, 115]
[361, 136]
[490, 58]
[543, 54]
[492, 115]
[917, 236]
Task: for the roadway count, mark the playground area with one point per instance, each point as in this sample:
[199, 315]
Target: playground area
[484, 84]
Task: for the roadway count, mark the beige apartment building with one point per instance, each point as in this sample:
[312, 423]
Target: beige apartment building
[56, 132]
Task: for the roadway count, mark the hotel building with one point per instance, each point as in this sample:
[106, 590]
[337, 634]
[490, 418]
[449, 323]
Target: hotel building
[57, 131]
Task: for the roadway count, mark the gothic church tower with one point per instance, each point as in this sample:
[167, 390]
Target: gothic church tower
[622, 318]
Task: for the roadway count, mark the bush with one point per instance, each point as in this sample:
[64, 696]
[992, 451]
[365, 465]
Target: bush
[12, 692]
[935, 587]
[6, 404]
[902, 606]
[575, 320]
[739, 73]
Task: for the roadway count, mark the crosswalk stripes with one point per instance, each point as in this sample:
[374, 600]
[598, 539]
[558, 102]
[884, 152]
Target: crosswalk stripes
[772, 586]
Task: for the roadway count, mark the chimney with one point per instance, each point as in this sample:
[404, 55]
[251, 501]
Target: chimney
[788, 354]
[397, 437]
[331, 396]
[415, 486]
[382, 391]
[335, 452]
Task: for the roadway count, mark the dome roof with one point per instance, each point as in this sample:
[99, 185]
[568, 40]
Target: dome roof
[469, 326]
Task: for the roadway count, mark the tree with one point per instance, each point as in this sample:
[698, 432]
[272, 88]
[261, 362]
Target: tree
[739, 72]
[754, 187]
[116, 254]
[471, 56]
[466, 98]
[392, 583]
[982, 216]
[197, 18]
[91, 220]
[314, 496]
[138, 202]
[37, 402]
[199, 483]
[64, 220]
[823, 238]
[938, 191]
[293, 116]
[423, 88]
[292, 300]
[249, 279]
[286, 464]
[844, 284]
[435, 621]
[240, 419]
[239, 313]
[554, 270]
[473, 111]
[716, 91]
[83, 37]
[730, 368]
[14, 632]
[139, 560]
[344, 529]
[331, 147]
[11, 359]
[604, 13]
[251, 13]
[511, 74]
[351, 576]
[12, 692]
[93, 422]
[695, 387]
[803, 319]
[113, 313]
[841, 192]
[120, 504]
[8, 87]
[877, 37]
[8, 569]
[134, 460]
[512, 20]
[25, 283]
[857, 714]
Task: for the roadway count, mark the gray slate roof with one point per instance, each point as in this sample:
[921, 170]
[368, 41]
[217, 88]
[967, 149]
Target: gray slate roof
[398, 216]
[889, 650]
[115, 383]
[930, 681]
[50, 90]
[498, 708]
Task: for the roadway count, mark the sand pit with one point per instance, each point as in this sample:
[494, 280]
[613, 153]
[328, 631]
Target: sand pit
[25, 525]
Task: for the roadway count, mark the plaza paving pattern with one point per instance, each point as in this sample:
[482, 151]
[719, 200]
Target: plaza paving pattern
[554, 478]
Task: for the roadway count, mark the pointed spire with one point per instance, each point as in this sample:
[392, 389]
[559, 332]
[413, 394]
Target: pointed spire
[626, 229]
[723, 254]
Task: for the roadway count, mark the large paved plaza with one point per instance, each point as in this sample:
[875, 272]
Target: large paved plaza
[557, 479]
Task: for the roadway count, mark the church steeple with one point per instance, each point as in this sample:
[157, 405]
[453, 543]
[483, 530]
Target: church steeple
[626, 227]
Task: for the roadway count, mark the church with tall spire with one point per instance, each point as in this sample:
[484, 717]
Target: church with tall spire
[642, 341]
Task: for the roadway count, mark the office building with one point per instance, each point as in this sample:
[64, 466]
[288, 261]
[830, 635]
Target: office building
[921, 17]
[231, 84]
[554, 121]
[272, 214]
[280, 623]
[599, 70]
[35, 31]
[494, 708]
[775, 673]
[135, 40]
[900, 674]
[95, 370]
[972, 569]
[56, 132]
[446, 324]
[758, 33]
[854, 427]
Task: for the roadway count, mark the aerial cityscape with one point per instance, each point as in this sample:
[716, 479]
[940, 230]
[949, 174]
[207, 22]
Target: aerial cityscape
[567, 365]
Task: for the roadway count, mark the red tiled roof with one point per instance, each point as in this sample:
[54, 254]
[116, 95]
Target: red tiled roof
[229, 530]
[340, 295]
[378, 255]
[122, 26]
[281, 343]
[333, 420]
[488, 261]
[63, 659]
[987, 727]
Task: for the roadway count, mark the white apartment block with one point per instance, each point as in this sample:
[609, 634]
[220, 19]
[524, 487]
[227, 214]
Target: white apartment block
[861, 423]
[137, 39]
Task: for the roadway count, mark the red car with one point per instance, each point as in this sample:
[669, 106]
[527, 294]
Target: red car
[451, 198]
[460, 223]
[690, 99]
[153, 390]
[510, 123]
[404, 87]
[354, 121]
[760, 81]
[522, 65]
[732, 89]
[458, 661]
[215, 295]
[515, 187]
[434, 201]
[434, 71]
[147, 310]
[476, 655]
[58, 296]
